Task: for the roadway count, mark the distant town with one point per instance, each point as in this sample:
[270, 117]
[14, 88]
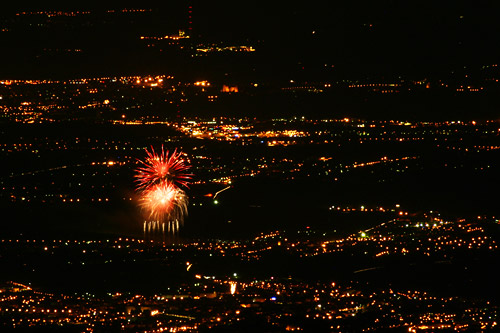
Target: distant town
[196, 167]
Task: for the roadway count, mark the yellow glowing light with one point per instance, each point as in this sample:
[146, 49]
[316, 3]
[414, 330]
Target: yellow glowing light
[203, 83]
[233, 287]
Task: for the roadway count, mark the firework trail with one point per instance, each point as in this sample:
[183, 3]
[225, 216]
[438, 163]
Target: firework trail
[159, 178]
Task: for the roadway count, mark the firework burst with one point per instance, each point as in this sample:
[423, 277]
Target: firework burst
[164, 202]
[159, 178]
[163, 167]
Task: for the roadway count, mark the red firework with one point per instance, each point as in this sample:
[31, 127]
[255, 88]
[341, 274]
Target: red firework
[160, 168]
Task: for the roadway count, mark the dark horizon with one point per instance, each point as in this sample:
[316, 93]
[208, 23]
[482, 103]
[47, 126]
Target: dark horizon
[359, 39]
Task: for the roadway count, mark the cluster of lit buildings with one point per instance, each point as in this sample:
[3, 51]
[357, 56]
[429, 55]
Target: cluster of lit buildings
[95, 171]
[217, 48]
[265, 304]
[159, 99]
[429, 236]
[205, 297]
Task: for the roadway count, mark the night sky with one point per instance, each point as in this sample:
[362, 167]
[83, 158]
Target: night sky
[376, 37]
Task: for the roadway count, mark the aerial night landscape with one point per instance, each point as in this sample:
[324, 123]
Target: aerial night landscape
[225, 166]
